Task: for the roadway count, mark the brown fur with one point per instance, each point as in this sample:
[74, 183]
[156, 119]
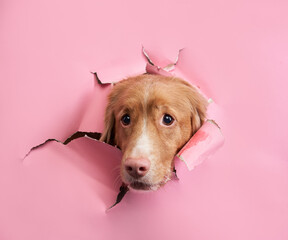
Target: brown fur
[150, 97]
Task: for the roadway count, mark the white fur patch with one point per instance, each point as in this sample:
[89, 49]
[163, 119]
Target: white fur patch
[143, 147]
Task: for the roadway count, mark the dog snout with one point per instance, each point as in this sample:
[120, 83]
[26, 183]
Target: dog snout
[137, 167]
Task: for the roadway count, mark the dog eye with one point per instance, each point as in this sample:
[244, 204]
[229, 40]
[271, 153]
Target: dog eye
[167, 120]
[125, 120]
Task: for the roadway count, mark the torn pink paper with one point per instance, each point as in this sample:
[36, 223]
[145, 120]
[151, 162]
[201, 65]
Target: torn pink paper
[207, 140]
[93, 119]
[204, 143]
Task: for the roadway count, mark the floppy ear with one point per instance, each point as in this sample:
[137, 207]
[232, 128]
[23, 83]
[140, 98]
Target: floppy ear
[198, 109]
[108, 134]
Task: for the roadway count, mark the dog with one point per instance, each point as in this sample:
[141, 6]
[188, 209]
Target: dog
[150, 118]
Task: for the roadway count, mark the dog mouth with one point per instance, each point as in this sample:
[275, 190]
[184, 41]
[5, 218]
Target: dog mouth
[143, 186]
[137, 185]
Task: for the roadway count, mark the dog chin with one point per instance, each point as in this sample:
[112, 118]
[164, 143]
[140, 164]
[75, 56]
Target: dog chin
[142, 187]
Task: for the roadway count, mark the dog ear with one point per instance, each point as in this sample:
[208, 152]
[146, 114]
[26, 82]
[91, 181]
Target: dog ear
[108, 134]
[195, 100]
[198, 109]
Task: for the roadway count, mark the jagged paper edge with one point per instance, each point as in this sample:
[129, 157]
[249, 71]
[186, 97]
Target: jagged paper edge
[78, 134]
[167, 68]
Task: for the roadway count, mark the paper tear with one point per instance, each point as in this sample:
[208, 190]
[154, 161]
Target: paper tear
[99, 81]
[78, 134]
[122, 192]
[192, 154]
[175, 173]
[205, 142]
[170, 67]
[147, 56]
[152, 69]
[94, 136]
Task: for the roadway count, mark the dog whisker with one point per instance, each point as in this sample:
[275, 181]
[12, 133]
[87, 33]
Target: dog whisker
[117, 181]
[150, 118]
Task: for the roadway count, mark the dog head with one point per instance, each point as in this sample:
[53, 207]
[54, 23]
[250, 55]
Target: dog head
[150, 118]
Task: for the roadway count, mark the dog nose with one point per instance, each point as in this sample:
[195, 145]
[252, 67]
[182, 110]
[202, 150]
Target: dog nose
[137, 167]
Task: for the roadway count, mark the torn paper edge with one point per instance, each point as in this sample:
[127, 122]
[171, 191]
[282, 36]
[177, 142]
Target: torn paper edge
[215, 139]
[147, 56]
[76, 135]
[166, 71]
[122, 192]
[170, 67]
[150, 68]
[100, 82]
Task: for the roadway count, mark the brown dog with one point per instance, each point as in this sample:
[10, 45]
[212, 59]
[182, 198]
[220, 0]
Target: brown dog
[150, 118]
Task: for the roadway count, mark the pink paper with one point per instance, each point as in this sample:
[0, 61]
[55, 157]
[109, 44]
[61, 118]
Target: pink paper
[202, 145]
[93, 118]
[235, 51]
[193, 153]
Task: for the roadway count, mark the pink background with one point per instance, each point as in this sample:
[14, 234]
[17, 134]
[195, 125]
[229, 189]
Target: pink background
[238, 53]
